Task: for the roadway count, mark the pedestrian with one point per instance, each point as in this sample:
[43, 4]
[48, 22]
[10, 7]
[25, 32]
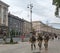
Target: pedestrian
[22, 37]
[4, 37]
[40, 39]
[46, 39]
[33, 41]
[56, 36]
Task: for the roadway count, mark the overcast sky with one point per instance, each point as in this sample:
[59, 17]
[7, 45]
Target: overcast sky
[43, 10]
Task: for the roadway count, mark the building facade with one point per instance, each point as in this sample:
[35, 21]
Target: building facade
[3, 16]
[41, 27]
[27, 27]
[36, 26]
[16, 24]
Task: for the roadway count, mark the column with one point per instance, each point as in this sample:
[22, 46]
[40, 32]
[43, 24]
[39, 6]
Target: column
[1, 14]
[7, 17]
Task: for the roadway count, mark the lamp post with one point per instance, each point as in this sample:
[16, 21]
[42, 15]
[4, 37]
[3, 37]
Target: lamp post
[30, 6]
[47, 25]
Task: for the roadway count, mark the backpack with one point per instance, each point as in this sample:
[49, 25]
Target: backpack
[40, 38]
[32, 39]
[47, 38]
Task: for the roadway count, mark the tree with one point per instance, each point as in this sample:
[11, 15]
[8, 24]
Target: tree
[19, 33]
[57, 4]
[12, 32]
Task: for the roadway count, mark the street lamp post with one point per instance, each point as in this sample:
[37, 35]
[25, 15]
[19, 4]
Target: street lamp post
[47, 25]
[30, 6]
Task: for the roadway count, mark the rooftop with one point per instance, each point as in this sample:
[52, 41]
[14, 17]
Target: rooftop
[3, 3]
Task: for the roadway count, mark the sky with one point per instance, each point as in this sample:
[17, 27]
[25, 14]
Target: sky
[43, 10]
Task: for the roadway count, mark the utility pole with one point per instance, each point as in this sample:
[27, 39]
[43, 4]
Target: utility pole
[51, 29]
[47, 25]
[30, 6]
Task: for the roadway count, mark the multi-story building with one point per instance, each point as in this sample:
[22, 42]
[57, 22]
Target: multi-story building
[36, 25]
[41, 27]
[15, 23]
[3, 16]
[27, 27]
[18, 25]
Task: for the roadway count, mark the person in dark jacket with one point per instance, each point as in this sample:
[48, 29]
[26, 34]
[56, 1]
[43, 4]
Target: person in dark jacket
[40, 39]
[46, 39]
[4, 37]
[33, 40]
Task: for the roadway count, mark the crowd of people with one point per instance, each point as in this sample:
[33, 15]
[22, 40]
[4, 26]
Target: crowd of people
[40, 39]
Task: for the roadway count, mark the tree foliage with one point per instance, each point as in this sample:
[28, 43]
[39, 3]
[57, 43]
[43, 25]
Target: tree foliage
[12, 32]
[57, 4]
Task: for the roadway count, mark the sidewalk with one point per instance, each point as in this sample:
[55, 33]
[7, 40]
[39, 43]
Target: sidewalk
[24, 47]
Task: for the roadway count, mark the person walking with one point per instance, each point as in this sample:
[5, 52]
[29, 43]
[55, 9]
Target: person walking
[46, 39]
[40, 39]
[33, 40]
[4, 37]
[22, 37]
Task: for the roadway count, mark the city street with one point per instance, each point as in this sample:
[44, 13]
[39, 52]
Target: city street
[22, 21]
[24, 47]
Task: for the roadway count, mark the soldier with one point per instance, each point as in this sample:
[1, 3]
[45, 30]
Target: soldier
[46, 39]
[40, 39]
[33, 40]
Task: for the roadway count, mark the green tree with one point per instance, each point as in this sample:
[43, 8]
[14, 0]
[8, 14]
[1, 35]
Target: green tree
[16, 33]
[19, 33]
[12, 33]
[57, 4]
